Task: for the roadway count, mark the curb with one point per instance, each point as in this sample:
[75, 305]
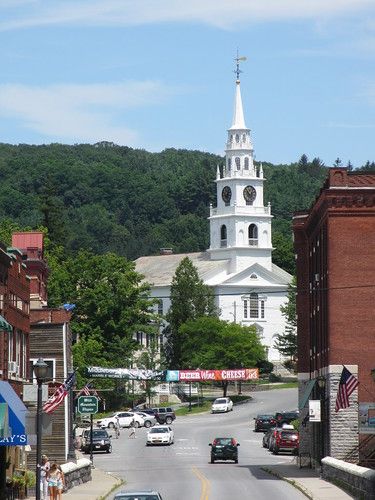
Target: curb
[119, 483]
[294, 483]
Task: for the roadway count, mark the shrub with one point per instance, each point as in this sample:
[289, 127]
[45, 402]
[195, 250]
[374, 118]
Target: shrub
[274, 378]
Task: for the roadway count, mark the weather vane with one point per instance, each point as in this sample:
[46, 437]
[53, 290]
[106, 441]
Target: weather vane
[238, 59]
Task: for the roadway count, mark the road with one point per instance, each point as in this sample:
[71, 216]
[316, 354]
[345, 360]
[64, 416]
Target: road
[182, 471]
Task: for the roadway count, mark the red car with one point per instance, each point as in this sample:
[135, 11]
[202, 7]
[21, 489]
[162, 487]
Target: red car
[286, 440]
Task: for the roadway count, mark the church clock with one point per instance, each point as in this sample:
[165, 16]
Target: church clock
[226, 194]
[249, 194]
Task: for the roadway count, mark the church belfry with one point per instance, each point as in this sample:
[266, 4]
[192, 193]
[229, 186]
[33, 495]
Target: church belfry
[240, 225]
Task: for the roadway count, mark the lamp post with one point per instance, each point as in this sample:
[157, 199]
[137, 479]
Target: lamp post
[40, 370]
[321, 381]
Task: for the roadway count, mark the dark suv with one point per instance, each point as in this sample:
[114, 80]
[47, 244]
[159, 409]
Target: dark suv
[164, 415]
[101, 441]
[285, 417]
[224, 448]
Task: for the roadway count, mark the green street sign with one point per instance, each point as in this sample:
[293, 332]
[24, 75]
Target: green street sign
[87, 404]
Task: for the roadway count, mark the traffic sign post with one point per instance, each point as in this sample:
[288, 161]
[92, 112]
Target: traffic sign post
[87, 405]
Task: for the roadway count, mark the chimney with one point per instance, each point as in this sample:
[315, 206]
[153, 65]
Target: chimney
[166, 251]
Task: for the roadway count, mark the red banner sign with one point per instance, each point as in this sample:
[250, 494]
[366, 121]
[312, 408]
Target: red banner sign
[218, 375]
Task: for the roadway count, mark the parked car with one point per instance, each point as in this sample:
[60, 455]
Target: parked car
[148, 420]
[149, 411]
[224, 448]
[125, 419]
[101, 441]
[285, 417]
[164, 415]
[268, 438]
[263, 422]
[222, 405]
[160, 434]
[137, 495]
[286, 440]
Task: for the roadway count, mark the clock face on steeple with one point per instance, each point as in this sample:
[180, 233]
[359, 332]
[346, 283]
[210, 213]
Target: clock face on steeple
[249, 194]
[226, 194]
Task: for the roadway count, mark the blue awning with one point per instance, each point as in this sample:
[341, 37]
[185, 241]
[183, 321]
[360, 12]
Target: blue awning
[305, 396]
[16, 416]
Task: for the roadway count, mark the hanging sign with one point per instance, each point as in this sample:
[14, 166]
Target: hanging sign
[314, 410]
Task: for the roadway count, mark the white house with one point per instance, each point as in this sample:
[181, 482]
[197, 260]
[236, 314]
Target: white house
[249, 289]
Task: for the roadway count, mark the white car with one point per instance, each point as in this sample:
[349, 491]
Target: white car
[125, 419]
[149, 420]
[160, 434]
[222, 405]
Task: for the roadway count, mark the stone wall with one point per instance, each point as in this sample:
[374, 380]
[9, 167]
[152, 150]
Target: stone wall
[359, 481]
[76, 474]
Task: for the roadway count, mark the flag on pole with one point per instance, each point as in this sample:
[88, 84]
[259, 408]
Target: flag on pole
[59, 395]
[85, 390]
[348, 383]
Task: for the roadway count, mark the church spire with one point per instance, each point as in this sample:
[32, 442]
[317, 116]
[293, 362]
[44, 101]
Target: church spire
[238, 121]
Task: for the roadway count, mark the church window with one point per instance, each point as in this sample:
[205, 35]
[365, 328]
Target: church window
[223, 236]
[253, 276]
[253, 235]
[229, 163]
[246, 163]
[262, 309]
[237, 138]
[244, 138]
[238, 163]
[231, 138]
[245, 309]
[254, 305]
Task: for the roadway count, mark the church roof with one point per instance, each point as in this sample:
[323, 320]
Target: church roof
[238, 121]
[159, 270]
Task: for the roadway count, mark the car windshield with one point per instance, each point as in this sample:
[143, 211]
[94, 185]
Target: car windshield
[137, 497]
[223, 441]
[98, 434]
[220, 401]
[264, 417]
[159, 430]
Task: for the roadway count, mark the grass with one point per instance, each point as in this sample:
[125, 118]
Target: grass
[205, 406]
[285, 385]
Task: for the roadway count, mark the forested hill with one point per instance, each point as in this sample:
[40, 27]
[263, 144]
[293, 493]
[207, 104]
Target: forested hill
[105, 197]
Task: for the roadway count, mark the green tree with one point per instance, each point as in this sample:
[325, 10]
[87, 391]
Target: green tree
[190, 299]
[211, 343]
[286, 342]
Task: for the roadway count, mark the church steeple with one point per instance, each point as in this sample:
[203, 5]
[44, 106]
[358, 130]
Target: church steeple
[238, 121]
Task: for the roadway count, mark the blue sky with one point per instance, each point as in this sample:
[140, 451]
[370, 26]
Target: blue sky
[155, 74]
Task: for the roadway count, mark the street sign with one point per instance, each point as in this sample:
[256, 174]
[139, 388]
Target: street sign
[87, 405]
[314, 410]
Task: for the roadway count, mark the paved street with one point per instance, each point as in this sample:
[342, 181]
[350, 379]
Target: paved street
[182, 471]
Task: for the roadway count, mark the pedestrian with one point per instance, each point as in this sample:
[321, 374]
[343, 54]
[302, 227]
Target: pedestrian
[117, 428]
[132, 429]
[60, 483]
[44, 469]
[54, 476]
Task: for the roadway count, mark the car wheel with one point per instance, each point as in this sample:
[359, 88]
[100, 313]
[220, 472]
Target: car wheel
[212, 460]
[168, 420]
[147, 424]
[111, 425]
[136, 424]
[275, 451]
[236, 460]
[109, 450]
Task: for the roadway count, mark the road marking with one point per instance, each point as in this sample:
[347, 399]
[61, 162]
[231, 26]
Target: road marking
[206, 487]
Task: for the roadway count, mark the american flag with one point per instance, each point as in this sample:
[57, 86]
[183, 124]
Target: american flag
[347, 385]
[59, 395]
[85, 390]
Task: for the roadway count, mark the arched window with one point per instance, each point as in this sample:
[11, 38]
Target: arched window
[231, 138]
[254, 305]
[246, 163]
[253, 235]
[237, 138]
[244, 138]
[238, 163]
[223, 236]
[229, 163]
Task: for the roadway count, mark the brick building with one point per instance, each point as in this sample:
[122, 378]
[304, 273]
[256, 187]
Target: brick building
[335, 252]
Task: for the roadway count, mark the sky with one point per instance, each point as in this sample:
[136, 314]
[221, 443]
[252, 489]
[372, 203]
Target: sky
[156, 74]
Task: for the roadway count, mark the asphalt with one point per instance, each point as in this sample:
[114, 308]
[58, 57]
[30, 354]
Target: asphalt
[305, 479]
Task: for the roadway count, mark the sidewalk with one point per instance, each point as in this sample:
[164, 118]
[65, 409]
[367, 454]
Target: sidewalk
[308, 481]
[99, 486]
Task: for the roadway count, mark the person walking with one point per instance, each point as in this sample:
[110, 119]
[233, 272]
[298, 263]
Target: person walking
[117, 428]
[132, 429]
[60, 483]
[44, 469]
[54, 477]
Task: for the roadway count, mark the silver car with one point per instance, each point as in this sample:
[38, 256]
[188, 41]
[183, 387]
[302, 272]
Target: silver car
[149, 420]
[138, 495]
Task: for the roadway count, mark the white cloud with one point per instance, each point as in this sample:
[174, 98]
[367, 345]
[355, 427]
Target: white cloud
[76, 113]
[220, 13]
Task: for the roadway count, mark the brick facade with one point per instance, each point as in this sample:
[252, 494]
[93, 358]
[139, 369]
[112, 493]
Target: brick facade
[335, 252]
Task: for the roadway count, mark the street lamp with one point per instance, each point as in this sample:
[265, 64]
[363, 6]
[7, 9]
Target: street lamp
[40, 370]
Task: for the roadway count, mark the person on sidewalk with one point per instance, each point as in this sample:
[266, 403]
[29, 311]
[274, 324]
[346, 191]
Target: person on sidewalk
[60, 483]
[54, 477]
[117, 428]
[44, 469]
[132, 429]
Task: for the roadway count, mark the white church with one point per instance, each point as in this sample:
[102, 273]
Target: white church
[249, 289]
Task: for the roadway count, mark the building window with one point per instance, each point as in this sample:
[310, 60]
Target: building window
[245, 309]
[229, 163]
[244, 137]
[253, 235]
[246, 163]
[140, 337]
[254, 305]
[160, 307]
[237, 137]
[262, 309]
[10, 346]
[238, 163]
[51, 372]
[223, 236]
